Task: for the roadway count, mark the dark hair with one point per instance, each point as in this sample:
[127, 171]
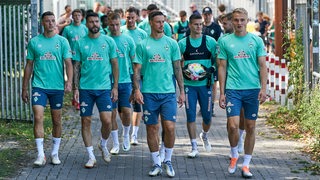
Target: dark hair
[91, 14]
[119, 11]
[182, 13]
[113, 16]
[152, 7]
[194, 16]
[222, 7]
[132, 9]
[154, 13]
[103, 17]
[83, 12]
[228, 16]
[77, 11]
[47, 13]
[65, 8]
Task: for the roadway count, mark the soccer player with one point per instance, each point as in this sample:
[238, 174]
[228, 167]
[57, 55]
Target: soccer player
[96, 60]
[158, 60]
[47, 54]
[245, 55]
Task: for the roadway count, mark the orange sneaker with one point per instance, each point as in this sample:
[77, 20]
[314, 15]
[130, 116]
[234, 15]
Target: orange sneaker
[246, 172]
[233, 165]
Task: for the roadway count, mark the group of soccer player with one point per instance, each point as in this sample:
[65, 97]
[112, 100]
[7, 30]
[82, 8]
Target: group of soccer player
[152, 69]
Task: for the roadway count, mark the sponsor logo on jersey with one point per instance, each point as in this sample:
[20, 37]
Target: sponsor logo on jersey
[157, 58]
[95, 57]
[197, 53]
[48, 56]
[241, 55]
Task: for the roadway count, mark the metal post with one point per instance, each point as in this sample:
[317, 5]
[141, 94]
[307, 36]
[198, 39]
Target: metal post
[315, 35]
[34, 18]
[302, 19]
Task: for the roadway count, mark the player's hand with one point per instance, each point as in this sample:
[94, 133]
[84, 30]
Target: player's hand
[262, 96]
[138, 96]
[25, 96]
[181, 99]
[222, 101]
[114, 94]
[68, 86]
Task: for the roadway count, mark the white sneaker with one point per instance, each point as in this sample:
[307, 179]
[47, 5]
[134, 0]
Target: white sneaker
[40, 161]
[169, 169]
[126, 144]
[91, 163]
[55, 159]
[115, 150]
[134, 140]
[193, 154]
[205, 142]
[155, 171]
[105, 153]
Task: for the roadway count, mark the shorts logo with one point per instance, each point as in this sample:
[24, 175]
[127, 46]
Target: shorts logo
[35, 99]
[36, 94]
[254, 115]
[174, 117]
[146, 113]
[58, 105]
[109, 106]
[187, 89]
[83, 104]
[83, 110]
[229, 110]
[209, 92]
[229, 104]
[145, 118]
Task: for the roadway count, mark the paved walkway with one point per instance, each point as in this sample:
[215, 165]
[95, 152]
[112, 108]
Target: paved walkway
[273, 158]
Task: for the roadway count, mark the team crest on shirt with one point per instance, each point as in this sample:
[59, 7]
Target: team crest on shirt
[39, 45]
[212, 31]
[103, 46]
[156, 58]
[250, 45]
[57, 46]
[241, 55]
[166, 47]
[75, 38]
[48, 56]
[95, 57]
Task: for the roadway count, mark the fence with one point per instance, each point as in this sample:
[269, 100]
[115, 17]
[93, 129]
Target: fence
[14, 35]
[277, 79]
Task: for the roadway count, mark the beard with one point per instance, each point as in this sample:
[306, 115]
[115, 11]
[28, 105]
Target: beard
[94, 30]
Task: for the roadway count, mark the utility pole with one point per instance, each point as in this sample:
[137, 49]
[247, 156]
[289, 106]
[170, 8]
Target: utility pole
[280, 14]
[34, 17]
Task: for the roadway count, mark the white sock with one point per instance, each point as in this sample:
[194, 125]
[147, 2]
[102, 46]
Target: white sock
[103, 142]
[162, 148]
[194, 144]
[39, 143]
[126, 130]
[168, 154]
[55, 145]
[115, 137]
[246, 160]
[90, 152]
[204, 134]
[234, 152]
[241, 131]
[156, 158]
[135, 130]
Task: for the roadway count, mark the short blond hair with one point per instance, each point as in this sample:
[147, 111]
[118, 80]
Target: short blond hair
[240, 10]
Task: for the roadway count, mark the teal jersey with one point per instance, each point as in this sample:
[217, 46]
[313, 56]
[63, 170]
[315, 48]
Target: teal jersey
[48, 55]
[95, 57]
[74, 33]
[126, 49]
[136, 34]
[176, 29]
[144, 25]
[105, 31]
[123, 22]
[156, 57]
[241, 54]
[211, 45]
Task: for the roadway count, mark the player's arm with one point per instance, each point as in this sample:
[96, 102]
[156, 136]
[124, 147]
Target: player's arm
[115, 74]
[222, 73]
[26, 78]
[136, 83]
[263, 78]
[178, 74]
[69, 68]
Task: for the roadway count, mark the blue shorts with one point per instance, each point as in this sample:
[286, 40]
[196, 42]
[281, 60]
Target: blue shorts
[40, 97]
[203, 95]
[124, 92]
[89, 97]
[246, 99]
[155, 104]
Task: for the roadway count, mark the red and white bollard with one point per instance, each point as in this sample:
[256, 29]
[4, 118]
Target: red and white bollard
[271, 77]
[283, 73]
[277, 81]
